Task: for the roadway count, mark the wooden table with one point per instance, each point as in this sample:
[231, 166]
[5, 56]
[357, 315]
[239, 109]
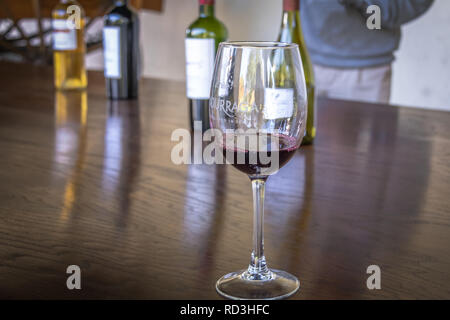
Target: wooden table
[90, 183]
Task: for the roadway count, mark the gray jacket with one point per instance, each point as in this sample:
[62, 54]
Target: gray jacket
[336, 33]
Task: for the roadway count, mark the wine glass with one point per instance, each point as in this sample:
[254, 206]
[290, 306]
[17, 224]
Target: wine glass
[258, 107]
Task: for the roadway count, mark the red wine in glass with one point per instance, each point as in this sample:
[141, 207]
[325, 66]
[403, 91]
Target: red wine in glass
[256, 160]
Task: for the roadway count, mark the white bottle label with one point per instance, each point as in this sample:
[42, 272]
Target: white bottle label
[111, 52]
[64, 38]
[199, 67]
[278, 103]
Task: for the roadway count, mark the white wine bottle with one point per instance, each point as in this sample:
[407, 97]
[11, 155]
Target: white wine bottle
[202, 40]
[69, 48]
[291, 32]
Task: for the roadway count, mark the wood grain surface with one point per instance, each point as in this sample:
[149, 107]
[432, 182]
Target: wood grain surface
[89, 182]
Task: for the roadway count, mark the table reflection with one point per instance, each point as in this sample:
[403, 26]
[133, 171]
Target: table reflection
[71, 109]
[374, 176]
[122, 154]
[204, 209]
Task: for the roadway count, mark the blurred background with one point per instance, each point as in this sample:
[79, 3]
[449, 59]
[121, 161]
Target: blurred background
[421, 71]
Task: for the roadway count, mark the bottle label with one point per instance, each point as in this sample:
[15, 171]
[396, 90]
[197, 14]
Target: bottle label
[278, 103]
[64, 38]
[199, 67]
[111, 52]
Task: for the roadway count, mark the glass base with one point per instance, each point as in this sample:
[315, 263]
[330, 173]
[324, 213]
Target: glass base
[271, 285]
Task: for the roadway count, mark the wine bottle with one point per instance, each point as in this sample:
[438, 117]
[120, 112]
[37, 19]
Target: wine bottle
[69, 48]
[121, 51]
[202, 40]
[291, 32]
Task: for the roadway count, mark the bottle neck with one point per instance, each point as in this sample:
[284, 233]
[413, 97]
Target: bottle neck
[291, 13]
[206, 8]
[291, 30]
[291, 19]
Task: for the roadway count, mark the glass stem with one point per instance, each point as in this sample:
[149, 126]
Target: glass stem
[257, 269]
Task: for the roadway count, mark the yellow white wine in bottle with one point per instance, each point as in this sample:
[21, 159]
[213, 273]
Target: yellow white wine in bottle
[291, 32]
[69, 48]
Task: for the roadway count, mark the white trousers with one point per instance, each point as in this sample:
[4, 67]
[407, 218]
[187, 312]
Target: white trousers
[362, 84]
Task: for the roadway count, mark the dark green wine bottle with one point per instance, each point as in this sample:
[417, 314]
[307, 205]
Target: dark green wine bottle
[121, 51]
[202, 40]
[291, 32]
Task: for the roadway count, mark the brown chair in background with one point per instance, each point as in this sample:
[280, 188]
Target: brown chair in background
[35, 47]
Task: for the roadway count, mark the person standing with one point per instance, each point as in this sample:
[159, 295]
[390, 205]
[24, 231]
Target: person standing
[350, 60]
